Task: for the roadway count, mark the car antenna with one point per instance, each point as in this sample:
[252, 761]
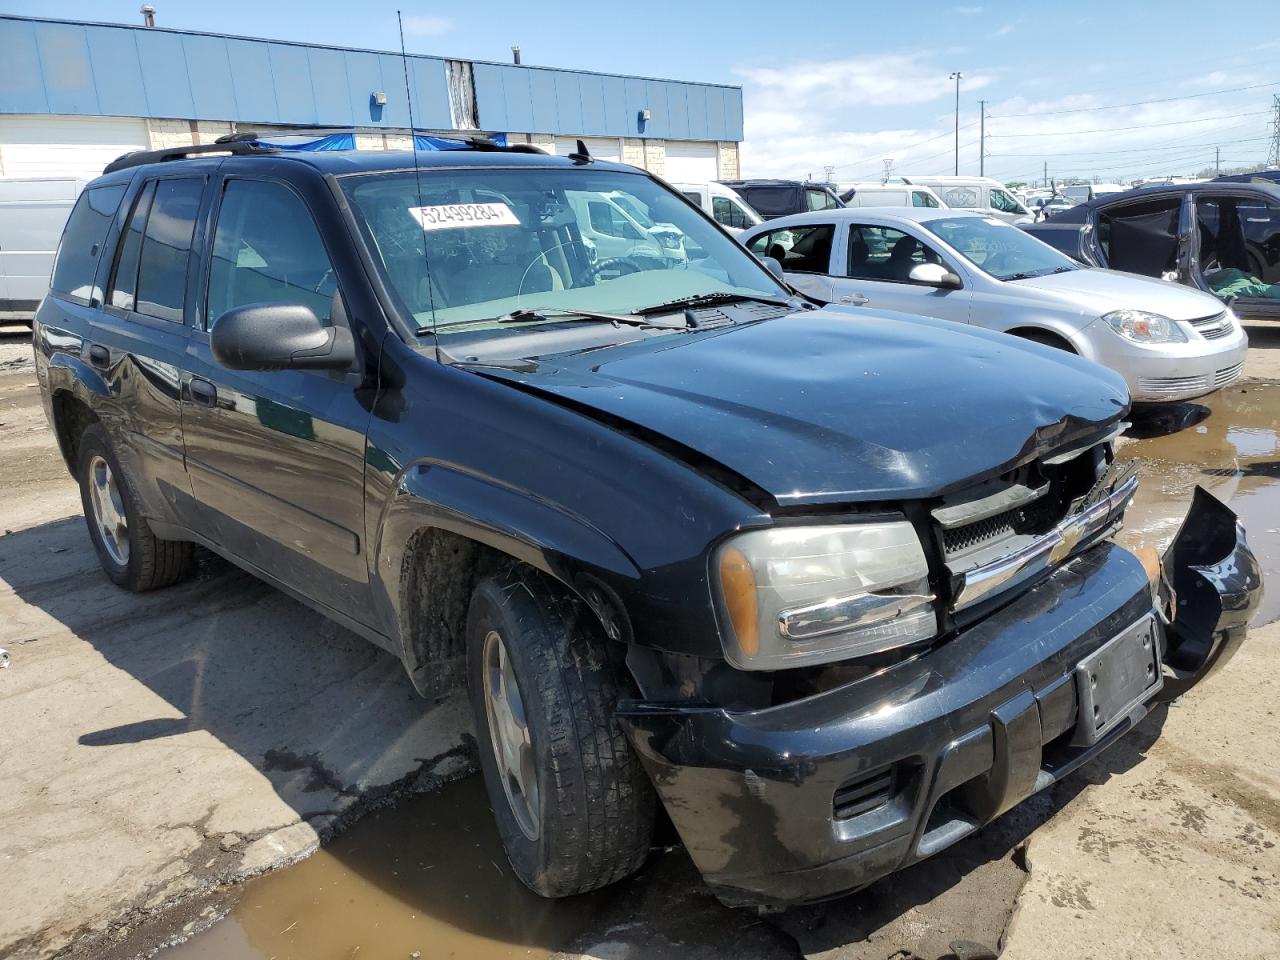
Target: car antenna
[581, 155]
[417, 180]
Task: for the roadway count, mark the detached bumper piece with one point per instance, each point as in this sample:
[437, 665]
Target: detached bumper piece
[817, 797]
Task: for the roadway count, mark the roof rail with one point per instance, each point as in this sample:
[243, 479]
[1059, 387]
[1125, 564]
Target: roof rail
[233, 147]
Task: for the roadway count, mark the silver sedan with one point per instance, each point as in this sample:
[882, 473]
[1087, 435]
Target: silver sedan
[1169, 342]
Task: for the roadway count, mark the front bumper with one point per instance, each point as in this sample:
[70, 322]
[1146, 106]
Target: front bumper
[820, 796]
[1170, 372]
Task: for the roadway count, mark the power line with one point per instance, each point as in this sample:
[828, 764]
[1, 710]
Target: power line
[1136, 126]
[900, 150]
[1106, 153]
[1136, 103]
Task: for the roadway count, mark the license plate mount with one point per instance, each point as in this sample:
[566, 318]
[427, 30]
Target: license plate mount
[1114, 680]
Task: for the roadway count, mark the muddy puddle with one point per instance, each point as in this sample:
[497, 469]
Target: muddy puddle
[425, 879]
[1230, 445]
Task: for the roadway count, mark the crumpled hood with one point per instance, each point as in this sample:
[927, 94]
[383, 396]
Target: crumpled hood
[1097, 291]
[843, 406]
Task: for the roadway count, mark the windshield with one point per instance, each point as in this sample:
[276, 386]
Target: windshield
[1000, 248]
[534, 239]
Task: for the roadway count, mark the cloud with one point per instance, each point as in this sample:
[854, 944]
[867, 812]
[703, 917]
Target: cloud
[968, 11]
[1005, 30]
[427, 26]
[802, 116]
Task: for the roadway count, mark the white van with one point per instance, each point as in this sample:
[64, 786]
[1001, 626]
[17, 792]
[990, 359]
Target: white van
[876, 194]
[721, 204]
[975, 193]
[1083, 192]
[33, 211]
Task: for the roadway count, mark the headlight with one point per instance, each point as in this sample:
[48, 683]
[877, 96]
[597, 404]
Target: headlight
[1143, 327]
[802, 595]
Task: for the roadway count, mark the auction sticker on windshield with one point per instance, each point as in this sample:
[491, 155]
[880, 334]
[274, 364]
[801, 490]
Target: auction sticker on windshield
[451, 216]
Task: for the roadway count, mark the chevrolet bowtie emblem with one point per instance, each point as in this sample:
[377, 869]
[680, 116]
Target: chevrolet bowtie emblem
[1062, 549]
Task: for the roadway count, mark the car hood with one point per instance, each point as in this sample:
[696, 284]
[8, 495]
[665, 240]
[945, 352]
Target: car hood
[840, 406]
[1101, 291]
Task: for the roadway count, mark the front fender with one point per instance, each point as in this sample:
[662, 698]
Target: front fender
[1213, 588]
[442, 496]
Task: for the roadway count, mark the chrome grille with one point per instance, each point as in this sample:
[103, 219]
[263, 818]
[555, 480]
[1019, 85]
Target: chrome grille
[1215, 327]
[1228, 374]
[982, 531]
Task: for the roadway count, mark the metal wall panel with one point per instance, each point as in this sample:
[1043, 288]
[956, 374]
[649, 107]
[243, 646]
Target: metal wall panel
[22, 88]
[165, 82]
[253, 82]
[328, 71]
[80, 69]
[64, 62]
[215, 93]
[113, 56]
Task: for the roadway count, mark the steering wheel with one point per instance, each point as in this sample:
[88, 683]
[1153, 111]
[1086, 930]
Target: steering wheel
[624, 266]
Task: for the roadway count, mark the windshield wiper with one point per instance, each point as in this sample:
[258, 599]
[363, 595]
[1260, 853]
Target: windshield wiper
[564, 313]
[707, 299]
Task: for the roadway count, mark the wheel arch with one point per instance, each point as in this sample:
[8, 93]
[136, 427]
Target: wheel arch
[71, 415]
[1048, 335]
[444, 528]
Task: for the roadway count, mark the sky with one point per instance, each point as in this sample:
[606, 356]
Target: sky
[1113, 91]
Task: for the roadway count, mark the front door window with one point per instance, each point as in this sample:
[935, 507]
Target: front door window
[882, 253]
[1239, 246]
[1141, 237]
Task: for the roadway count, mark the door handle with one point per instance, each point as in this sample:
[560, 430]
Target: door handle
[99, 355]
[203, 392]
[855, 299]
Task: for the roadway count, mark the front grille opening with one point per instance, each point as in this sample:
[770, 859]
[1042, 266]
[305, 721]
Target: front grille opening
[864, 793]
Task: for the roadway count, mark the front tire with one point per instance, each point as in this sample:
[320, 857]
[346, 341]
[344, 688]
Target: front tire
[130, 554]
[573, 805]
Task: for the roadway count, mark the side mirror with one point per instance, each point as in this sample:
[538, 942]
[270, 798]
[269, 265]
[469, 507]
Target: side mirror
[774, 267]
[934, 275]
[279, 336]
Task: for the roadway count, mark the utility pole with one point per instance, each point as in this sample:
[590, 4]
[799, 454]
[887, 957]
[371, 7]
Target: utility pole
[957, 77]
[830, 172]
[982, 138]
[1217, 161]
[1046, 174]
[888, 169]
[1274, 153]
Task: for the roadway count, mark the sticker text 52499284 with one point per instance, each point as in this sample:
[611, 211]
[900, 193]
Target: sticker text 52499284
[451, 216]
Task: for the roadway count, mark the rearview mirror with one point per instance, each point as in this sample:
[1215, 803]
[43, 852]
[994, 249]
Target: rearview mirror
[774, 267]
[934, 275]
[279, 336]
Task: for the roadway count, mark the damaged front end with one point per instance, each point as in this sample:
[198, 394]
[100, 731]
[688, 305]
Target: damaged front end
[810, 798]
[1210, 585]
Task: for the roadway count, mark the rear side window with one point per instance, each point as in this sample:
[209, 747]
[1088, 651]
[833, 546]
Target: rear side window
[921, 199]
[1142, 237]
[694, 198]
[166, 248]
[266, 249]
[155, 247]
[77, 260]
[804, 249]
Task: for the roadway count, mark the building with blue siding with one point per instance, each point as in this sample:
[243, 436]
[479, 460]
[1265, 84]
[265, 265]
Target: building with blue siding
[73, 96]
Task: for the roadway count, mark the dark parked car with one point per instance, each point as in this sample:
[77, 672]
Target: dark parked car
[1265, 176]
[682, 535]
[1220, 236]
[779, 198]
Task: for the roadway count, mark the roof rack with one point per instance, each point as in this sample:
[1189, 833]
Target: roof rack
[223, 145]
[249, 143]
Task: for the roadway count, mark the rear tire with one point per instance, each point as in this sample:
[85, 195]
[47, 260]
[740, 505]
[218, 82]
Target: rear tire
[130, 554]
[573, 805]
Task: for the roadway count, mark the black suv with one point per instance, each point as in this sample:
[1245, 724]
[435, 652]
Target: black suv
[781, 198]
[835, 587]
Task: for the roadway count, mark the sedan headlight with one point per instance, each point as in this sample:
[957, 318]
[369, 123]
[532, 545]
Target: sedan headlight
[1143, 327]
[802, 595]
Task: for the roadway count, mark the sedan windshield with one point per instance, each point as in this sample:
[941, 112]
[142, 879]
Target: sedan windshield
[470, 247]
[1000, 249]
